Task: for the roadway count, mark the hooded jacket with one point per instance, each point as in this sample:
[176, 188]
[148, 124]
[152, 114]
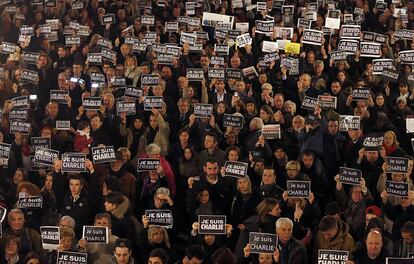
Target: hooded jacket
[342, 241]
[122, 224]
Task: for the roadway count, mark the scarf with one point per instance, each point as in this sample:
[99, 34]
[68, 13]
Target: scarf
[83, 133]
[389, 149]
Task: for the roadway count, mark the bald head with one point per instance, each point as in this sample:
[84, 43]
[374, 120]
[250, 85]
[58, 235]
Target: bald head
[374, 244]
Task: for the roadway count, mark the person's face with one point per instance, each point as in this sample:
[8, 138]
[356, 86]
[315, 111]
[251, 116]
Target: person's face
[318, 69]
[397, 177]
[159, 200]
[77, 69]
[259, 167]
[182, 82]
[16, 221]
[284, 232]
[372, 156]
[102, 222]
[407, 237]
[220, 86]
[240, 86]
[265, 259]
[210, 239]
[18, 177]
[204, 197]
[209, 142]
[305, 80]
[61, 52]
[354, 134]
[42, 62]
[158, 236]
[221, 109]
[130, 62]
[116, 165]
[275, 210]
[279, 153]
[204, 61]
[333, 127]
[233, 155]
[298, 124]
[184, 137]
[187, 154]
[231, 140]
[308, 160]
[341, 76]
[11, 248]
[66, 242]
[268, 177]
[292, 173]
[311, 57]
[329, 234]
[250, 108]
[109, 207]
[155, 260]
[356, 194]
[211, 169]
[264, 115]
[405, 202]
[379, 100]
[75, 186]
[153, 122]
[243, 185]
[278, 101]
[96, 123]
[388, 139]
[374, 245]
[157, 90]
[49, 182]
[183, 107]
[122, 255]
[335, 87]
[52, 109]
[235, 61]
[262, 78]
[166, 73]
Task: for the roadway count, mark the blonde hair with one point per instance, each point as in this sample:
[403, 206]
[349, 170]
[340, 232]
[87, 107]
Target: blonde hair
[249, 182]
[394, 136]
[153, 229]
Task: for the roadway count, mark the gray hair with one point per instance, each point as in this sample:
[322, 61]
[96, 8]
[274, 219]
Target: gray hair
[257, 122]
[153, 149]
[15, 211]
[162, 190]
[283, 221]
[72, 222]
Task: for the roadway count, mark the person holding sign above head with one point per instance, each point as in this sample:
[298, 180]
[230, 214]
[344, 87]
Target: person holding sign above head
[400, 213]
[398, 177]
[354, 205]
[154, 151]
[332, 235]
[210, 242]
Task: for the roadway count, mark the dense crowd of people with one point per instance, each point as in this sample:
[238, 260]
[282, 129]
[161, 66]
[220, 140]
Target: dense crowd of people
[275, 88]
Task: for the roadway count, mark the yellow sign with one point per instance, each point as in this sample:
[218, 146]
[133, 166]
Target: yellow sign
[293, 48]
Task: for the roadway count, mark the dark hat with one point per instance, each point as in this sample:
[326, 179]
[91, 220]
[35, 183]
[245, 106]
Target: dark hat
[123, 242]
[332, 208]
